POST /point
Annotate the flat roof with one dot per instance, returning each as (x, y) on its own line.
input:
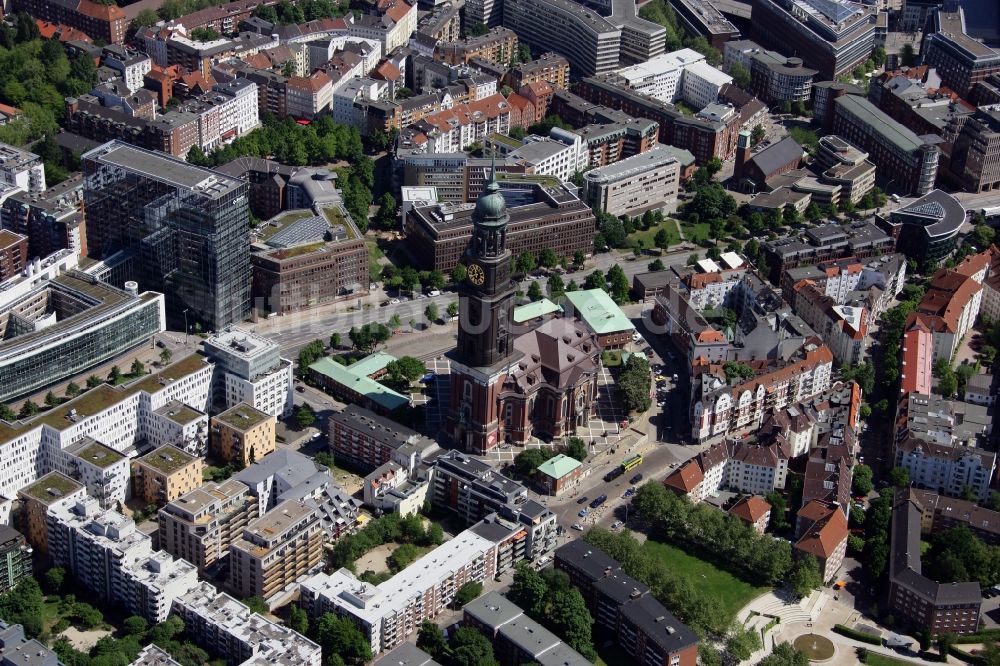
(598, 311)
(164, 168)
(177, 411)
(243, 416)
(539, 308)
(99, 455)
(52, 487)
(167, 459)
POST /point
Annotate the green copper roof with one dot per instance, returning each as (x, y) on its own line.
(529, 311)
(372, 363)
(359, 383)
(559, 466)
(598, 311)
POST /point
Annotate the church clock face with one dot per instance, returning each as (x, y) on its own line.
(476, 274)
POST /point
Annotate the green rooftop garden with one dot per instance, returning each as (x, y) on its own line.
(99, 455)
(51, 487)
(167, 459)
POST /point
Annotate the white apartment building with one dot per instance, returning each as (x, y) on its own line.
(308, 96)
(249, 369)
(131, 65)
(392, 30)
(947, 469)
(179, 425)
(104, 471)
(362, 88)
(225, 627)
(20, 171)
(682, 74)
(723, 409)
(637, 184)
(702, 83)
(562, 154)
(390, 612)
(117, 417)
(321, 51)
(228, 112)
(451, 130)
(591, 42)
(115, 561)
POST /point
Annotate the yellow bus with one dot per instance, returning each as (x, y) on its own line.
(631, 463)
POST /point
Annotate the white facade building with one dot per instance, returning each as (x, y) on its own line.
(308, 96)
(947, 469)
(344, 111)
(249, 369)
(131, 65)
(115, 561)
(682, 74)
(702, 83)
(20, 171)
(561, 154)
(632, 186)
(225, 627)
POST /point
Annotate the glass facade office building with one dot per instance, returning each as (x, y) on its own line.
(186, 228)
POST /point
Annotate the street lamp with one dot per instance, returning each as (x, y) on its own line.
(186, 325)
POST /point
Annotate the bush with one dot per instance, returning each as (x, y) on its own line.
(856, 635)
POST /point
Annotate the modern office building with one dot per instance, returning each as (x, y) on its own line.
(308, 258)
(243, 433)
(774, 78)
(177, 227)
(975, 157)
(557, 220)
(702, 17)
(634, 185)
(926, 229)
(960, 59)
(249, 369)
(590, 42)
(165, 474)
(228, 629)
(916, 599)
(15, 558)
(831, 36)
(201, 525)
(907, 163)
(365, 440)
(277, 549)
(64, 326)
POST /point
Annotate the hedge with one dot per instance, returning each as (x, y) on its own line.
(979, 636)
(857, 635)
(966, 656)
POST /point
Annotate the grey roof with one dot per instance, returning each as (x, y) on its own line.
(591, 560)
(658, 624)
(293, 467)
(492, 610)
(380, 428)
(406, 654)
(979, 383)
(164, 168)
(944, 214)
(620, 587)
(879, 121)
(561, 655)
(774, 157)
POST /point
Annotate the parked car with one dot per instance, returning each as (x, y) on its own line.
(427, 379)
(636, 479)
(578, 527)
(598, 501)
(583, 513)
(615, 525)
(582, 500)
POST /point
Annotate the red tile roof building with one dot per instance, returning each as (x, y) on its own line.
(104, 22)
(753, 510)
(821, 528)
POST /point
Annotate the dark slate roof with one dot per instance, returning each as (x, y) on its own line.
(774, 157)
(592, 561)
(659, 624)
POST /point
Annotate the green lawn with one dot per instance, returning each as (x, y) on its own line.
(872, 659)
(696, 232)
(731, 592)
(647, 236)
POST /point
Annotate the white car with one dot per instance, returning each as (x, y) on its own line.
(394, 301)
(578, 527)
(615, 525)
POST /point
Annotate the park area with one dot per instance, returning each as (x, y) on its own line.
(732, 593)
